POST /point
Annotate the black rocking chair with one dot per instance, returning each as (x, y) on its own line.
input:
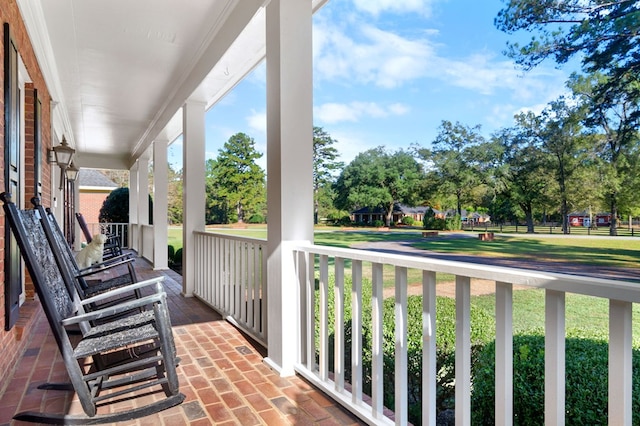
(120, 360)
(112, 247)
(87, 280)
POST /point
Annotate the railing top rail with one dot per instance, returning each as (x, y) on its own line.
(230, 237)
(589, 286)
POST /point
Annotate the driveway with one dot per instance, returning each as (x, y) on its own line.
(607, 272)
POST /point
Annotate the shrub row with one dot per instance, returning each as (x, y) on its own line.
(586, 363)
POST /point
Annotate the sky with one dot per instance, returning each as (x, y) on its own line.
(388, 72)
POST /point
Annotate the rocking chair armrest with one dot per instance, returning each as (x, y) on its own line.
(157, 282)
(101, 267)
(115, 310)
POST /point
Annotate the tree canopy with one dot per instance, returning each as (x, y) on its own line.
(235, 182)
(378, 179)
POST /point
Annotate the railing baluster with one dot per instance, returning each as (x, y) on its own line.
(338, 324)
(401, 377)
(429, 371)
(504, 354)
(356, 326)
(463, 350)
(324, 317)
(377, 369)
(620, 363)
(310, 308)
(554, 360)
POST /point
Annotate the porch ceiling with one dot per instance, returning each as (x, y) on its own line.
(120, 70)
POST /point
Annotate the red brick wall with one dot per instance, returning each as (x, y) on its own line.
(13, 342)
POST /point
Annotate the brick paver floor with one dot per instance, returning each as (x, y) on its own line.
(221, 372)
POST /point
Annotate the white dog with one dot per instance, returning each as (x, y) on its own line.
(92, 252)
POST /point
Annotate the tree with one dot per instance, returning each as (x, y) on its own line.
(617, 114)
(235, 183)
(523, 173)
(174, 195)
(560, 133)
(325, 165)
(377, 179)
(456, 160)
(604, 34)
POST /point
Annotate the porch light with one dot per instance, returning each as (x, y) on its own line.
(63, 154)
(63, 157)
(72, 172)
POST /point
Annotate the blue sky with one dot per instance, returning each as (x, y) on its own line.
(387, 72)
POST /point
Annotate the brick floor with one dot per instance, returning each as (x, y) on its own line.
(221, 373)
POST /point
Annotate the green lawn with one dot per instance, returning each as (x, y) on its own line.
(587, 317)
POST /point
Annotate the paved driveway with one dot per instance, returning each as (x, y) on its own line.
(405, 247)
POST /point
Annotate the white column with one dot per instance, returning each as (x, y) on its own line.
(133, 208)
(160, 204)
(143, 190)
(193, 200)
(289, 167)
(143, 205)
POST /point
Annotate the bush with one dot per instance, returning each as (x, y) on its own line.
(115, 208)
(483, 330)
(171, 252)
(586, 382)
(408, 220)
(256, 218)
(378, 223)
(177, 257)
(429, 219)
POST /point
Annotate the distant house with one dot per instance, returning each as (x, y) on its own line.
(584, 219)
(368, 215)
(93, 188)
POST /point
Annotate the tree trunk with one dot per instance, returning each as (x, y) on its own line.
(565, 216)
(529, 218)
(613, 227)
(389, 215)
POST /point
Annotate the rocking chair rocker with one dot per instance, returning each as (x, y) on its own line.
(118, 360)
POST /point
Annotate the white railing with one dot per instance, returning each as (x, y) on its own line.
(230, 276)
(314, 362)
(120, 229)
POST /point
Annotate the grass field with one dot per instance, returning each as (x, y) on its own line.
(586, 316)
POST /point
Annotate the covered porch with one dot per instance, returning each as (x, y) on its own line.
(126, 85)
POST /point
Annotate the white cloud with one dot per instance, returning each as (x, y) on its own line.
(354, 111)
(376, 7)
(378, 57)
(358, 53)
(258, 121)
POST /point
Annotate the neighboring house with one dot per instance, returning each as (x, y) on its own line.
(94, 187)
(584, 219)
(368, 214)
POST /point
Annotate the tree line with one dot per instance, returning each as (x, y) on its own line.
(580, 153)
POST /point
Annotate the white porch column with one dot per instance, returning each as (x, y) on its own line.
(160, 204)
(133, 208)
(143, 190)
(193, 200)
(143, 204)
(289, 168)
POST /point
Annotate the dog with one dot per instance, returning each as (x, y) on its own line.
(92, 252)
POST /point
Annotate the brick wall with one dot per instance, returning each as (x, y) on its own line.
(13, 342)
